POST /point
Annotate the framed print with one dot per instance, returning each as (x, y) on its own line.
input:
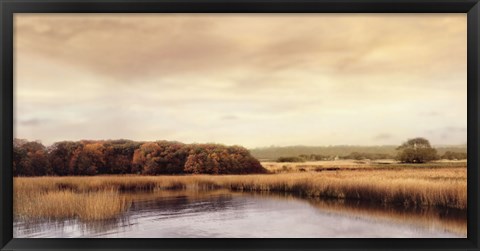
(231, 125)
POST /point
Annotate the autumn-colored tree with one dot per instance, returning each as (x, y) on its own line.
(219, 159)
(195, 163)
(88, 159)
(119, 156)
(19, 158)
(38, 160)
(172, 157)
(30, 159)
(143, 158)
(161, 157)
(60, 155)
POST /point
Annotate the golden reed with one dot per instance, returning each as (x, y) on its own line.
(98, 197)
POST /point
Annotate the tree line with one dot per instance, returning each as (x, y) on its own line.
(89, 157)
(416, 150)
(330, 152)
(351, 156)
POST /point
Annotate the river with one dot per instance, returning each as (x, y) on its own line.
(225, 214)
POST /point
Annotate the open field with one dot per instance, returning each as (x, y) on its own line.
(99, 197)
(387, 164)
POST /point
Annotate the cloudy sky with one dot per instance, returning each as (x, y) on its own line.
(248, 79)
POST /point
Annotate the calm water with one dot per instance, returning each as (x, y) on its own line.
(226, 214)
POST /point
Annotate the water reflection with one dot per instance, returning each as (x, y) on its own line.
(222, 213)
(65, 228)
(444, 219)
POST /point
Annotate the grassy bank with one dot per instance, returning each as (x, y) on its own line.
(98, 197)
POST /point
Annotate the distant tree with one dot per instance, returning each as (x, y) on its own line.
(454, 155)
(356, 156)
(291, 159)
(417, 150)
(313, 157)
(369, 156)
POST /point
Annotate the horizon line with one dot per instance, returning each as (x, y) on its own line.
(252, 148)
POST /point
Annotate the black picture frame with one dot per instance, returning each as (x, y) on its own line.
(9, 7)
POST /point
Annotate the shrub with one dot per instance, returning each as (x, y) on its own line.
(454, 155)
(417, 150)
(290, 159)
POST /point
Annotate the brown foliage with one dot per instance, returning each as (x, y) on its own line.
(129, 157)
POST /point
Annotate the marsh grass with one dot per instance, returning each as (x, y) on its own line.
(345, 165)
(94, 198)
(65, 204)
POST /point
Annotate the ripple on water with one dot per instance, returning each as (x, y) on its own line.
(244, 215)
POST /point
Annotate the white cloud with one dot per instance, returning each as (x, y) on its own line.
(253, 80)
